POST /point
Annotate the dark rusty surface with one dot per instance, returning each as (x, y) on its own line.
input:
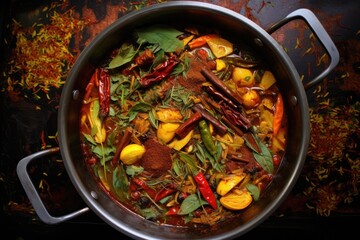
(325, 200)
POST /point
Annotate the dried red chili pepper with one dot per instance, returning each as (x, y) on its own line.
(213, 92)
(159, 72)
(104, 91)
(235, 117)
(168, 190)
(151, 192)
(145, 59)
(205, 189)
(173, 211)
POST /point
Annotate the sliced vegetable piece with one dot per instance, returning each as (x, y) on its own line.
(267, 80)
(243, 76)
(228, 183)
(168, 115)
(132, 153)
(178, 144)
(97, 128)
(236, 199)
(220, 46)
(201, 41)
(279, 112)
(220, 65)
(166, 131)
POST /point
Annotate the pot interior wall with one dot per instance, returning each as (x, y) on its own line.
(231, 24)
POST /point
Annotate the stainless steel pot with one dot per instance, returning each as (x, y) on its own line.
(185, 12)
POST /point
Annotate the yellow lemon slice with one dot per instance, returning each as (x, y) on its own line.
(236, 200)
(220, 47)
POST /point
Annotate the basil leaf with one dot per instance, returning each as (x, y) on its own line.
(126, 54)
(120, 182)
(138, 107)
(190, 204)
(264, 157)
(164, 36)
(132, 170)
(150, 213)
(254, 191)
(89, 138)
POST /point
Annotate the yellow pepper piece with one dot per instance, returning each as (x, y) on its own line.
(267, 80)
(220, 47)
(169, 115)
(243, 76)
(96, 123)
(178, 144)
(187, 39)
(227, 183)
(166, 131)
(236, 200)
(220, 65)
(132, 153)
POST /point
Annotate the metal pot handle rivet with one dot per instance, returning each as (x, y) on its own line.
(258, 42)
(32, 193)
(294, 100)
(76, 94)
(94, 194)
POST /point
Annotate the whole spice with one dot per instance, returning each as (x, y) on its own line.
(159, 72)
(188, 125)
(218, 125)
(205, 189)
(166, 191)
(123, 142)
(235, 117)
(104, 91)
(213, 92)
(220, 85)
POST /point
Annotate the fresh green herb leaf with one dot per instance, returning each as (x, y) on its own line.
(120, 182)
(254, 191)
(164, 36)
(89, 138)
(264, 158)
(133, 170)
(191, 163)
(190, 204)
(150, 213)
(126, 54)
(138, 107)
(153, 121)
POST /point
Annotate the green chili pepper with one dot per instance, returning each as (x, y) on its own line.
(206, 137)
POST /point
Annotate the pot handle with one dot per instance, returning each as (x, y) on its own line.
(322, 36)
(32, 193)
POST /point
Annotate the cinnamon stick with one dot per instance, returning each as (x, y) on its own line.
(189, 124)
(220, 85)
(123, 142)
(217, 124)
(232, 126)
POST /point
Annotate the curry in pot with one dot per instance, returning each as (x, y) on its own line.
(183, 126)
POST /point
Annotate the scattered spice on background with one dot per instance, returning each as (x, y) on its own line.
(333, 164)
(41, 57)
